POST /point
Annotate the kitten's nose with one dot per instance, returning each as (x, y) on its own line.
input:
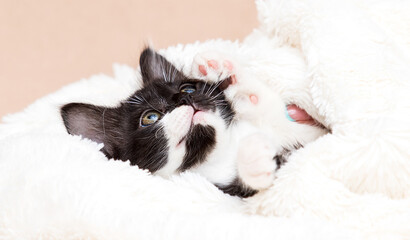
(185, 100)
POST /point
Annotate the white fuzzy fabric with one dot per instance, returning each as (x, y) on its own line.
(57, 186)
(358, 65)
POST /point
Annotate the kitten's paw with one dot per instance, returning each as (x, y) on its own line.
(256, 164)
(213, 66)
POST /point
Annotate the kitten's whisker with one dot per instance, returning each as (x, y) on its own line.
(219, 76)
(163, 70)
(152, 106)
(221, 104)
(174, 73)
(153, 161)
(215, 87)
(142, 138)
(133, 102)
(221, 101)
(169, 72)
(163, 102)
(215, 97)
(135, 99)
(156, 132)
(203, 88)
(207, 91)
(212, 88)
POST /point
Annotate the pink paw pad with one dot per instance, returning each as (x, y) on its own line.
(233, 80)
(202, 70)
(228, 65)
(253, 98)
(213, 64)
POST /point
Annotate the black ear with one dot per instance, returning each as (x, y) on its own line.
(100, 124)
(156, 67)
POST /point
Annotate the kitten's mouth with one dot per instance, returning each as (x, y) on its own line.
(196, 118)
(182, 140)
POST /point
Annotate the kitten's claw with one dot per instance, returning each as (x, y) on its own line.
(256, 166)
(212, 65)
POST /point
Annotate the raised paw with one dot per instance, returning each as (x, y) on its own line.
(256, 164)
(213, 66)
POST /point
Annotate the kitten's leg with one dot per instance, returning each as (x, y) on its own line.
(255, 161)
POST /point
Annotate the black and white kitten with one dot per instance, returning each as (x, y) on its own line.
(176, 123)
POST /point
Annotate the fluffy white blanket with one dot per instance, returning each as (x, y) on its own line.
(354, 183)
(358, 63)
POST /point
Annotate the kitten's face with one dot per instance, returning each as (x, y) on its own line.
(169, 125)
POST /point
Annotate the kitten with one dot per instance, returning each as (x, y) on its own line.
(176, 123)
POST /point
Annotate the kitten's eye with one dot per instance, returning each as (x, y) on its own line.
(188, 88)
(149, 118)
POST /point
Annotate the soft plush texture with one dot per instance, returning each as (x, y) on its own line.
(357, 55)
(353, 183)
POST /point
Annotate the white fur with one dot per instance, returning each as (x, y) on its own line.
(176, 126)
(254, 159)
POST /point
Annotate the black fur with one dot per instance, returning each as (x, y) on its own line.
(119, 128)
(237, 188)
(198, 144)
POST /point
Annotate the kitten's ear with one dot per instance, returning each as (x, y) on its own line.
(156, 67)
(99, 124)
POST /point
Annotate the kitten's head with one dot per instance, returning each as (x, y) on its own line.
(169, 125)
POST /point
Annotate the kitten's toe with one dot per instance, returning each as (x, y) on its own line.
(212, 66)
(260, 173)
(256, 166)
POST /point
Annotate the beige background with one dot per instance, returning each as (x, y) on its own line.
(46, 44)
